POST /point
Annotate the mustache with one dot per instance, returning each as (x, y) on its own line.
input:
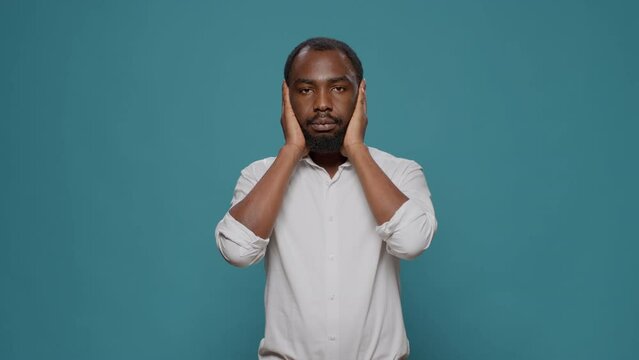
(324, 116)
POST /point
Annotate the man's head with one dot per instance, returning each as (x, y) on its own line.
(323, 76)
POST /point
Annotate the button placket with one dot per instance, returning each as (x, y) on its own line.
(332, 273)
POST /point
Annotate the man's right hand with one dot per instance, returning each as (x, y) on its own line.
(293, 136)
(259, 208)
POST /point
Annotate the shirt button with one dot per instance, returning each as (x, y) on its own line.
(331, 256)
(332, 338)
(332, 297)
(330, 218)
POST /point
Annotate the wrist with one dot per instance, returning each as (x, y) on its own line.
(293, 150)
(354, 149)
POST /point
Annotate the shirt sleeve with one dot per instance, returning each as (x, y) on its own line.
(410, 230)
(237, 243)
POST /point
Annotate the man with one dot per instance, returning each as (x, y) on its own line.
(332, 217)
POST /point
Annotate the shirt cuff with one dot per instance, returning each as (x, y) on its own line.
(238, 244)
(387, 229)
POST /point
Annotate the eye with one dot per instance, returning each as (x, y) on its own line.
(339, 89)
(305, 91)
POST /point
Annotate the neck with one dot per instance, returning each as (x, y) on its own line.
(330, 162)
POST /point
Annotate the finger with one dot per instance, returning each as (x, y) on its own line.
(286, 101)
(283, 94)
(363, 99)
(360, 105)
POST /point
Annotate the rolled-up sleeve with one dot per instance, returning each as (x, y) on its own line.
(411, 229)
(237, 243)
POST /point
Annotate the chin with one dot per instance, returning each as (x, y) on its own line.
(325, 143)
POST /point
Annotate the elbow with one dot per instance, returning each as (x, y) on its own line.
(239, 263)
(235, 254)
(407, 248)
(237, 244)
(410, 242)
(233, 258)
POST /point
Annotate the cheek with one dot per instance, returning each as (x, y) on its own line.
(298, 106)
(299, 114)
(347, 108)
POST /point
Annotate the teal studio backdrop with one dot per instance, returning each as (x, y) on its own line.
(125, 124)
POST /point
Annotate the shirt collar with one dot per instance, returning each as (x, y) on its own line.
(310, 161)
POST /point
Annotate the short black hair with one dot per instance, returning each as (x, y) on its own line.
(323, 44)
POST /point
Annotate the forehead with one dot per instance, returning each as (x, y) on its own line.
(321, 65)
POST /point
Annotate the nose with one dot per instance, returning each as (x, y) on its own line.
(322, 101)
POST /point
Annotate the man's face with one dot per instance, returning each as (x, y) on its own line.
(323, 92)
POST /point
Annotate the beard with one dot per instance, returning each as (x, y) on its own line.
(327, 143)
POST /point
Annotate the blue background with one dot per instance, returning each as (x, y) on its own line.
(124, 125)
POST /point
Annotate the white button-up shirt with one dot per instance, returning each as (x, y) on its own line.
(332, 275)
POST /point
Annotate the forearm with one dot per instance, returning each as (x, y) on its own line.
(384, 198)
(258, 210)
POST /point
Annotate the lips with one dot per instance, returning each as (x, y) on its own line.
(323, 124)
(322, 127)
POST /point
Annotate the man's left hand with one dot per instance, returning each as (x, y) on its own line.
(354, 138)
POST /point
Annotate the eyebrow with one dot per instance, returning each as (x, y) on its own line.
(331, 80)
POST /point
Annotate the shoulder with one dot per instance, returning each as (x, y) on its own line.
(255, 170)
(401, 171)
(392, 164)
